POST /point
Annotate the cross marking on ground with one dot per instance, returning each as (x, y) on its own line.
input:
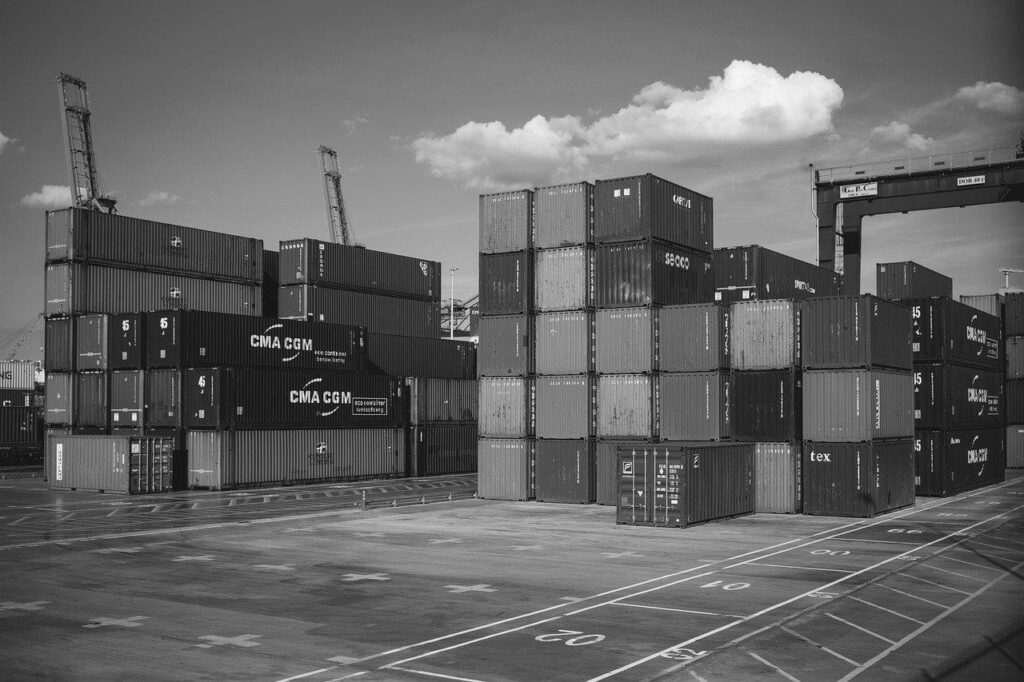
(356, 577)
(131, 622)
(202, 557)
(448, 541)
(460, 589)
(571, 600)
(26, 606)
(272, 567)
(619, 555)
(240, 640)
(523, 548)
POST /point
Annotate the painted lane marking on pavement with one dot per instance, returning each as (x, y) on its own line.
(131, 622)
(370, 535)
(571, 600)
(820, 646)
(356, 577)
(462, 589)
(971, 563)
(804, 568)
(666, 608)
(201, 557)
(961, 575)
(245, 641)
(914, 596)
(932, 582)
(309, 674)
(773, 667)
(25, 606)
(858, 627)
(275, 567)
(882, 608)
(448, 541)
(118, 550)
(524, 548)
(299, 530)
(438, 675)
(621, 555)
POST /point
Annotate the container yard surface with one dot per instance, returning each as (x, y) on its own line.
(303, 583)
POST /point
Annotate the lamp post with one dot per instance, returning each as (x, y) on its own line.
(451, 311)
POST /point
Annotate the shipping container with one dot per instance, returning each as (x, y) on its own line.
(765, 334)
(606, 465)
(953, 396)
(506, 407)
(1015, 357)
(565, 343)
(379, 314)
(506, 345)
(1015, 401)
(163, 399)
(59, 345)
(506, 221)
(856, 331)
(768, 405)
(563, 279)
(505, 469)
(19, 425)
(858, 479)
(264, 398)
(908, 279)
(442, 400)
(679, 484)
(125, 336)
(986, 303)
(752, 273)
(21, 455)
(506, 281)
(78, 288)
(563, 215)
(1015, 446)
(947, 331)
(17, 375)
(356, 268)
(17, 398)
(626, 340)
(857, 405)
(1013, 314)
(696, 406)
(91, 344)
(413, 356)
(441, 449)
(565, 406)
(271, 281)
(59, 401)
(646, 206)
(566, 471)
(952, 462)
(92, 400)
(81, 235)
(777, 485)
(109, 464)
(224, 460)
(693, 338)
(627, 406)
(650, 273)
(127, 398)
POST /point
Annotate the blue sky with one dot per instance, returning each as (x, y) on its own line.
(207, 113)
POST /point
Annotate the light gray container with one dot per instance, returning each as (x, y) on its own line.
(765, 334)
(563, 215)
(777, 486)
(506, 221)
(988, 303)
(693, 338)
(59, 403)
(222, 460)
(565, 406)
(506, 346)
(627, 340)
(695, 405)
(564, 342)
(110, 464)
(857, 405)
(1015, 446)
(17, 375)
(506, 407)
(626, 406)
(506, 469)
(563, 279)
(1015, 357)
(442, 400)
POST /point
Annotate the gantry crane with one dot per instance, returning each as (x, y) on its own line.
(18, 339)
(85, 179)
(337, 220)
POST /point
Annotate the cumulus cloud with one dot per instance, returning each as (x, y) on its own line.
(50, 196)
(159, 199)
(750, 104)
(4, 141)
(899, 133)
(997, 97)
(351, 125)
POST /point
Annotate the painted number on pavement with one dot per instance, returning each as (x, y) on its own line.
(575, 638)
(681, 654)
(830, 552)
(730, 587)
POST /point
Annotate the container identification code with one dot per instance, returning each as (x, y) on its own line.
(373, 407)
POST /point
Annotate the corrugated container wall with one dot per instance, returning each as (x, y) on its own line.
(1014, 401)
(565, 343)
(355, 268)
(442, 400)
(1015, 357)
(77, 288)
(857, 405)
(693, 338)
(562, 279)
(59, 402)
(505, 284)
(749, 273)
(651, 273)
(17, 375)
(1013, 315)
(768, 405)
(947, 331)
(626, 407)
(163, 399)
(777, 485)
(127, 398)
(627, 340)
(565, 406)
(91, 342)
(856, 331)
(647, 206)
(908, 279)
(607, 468)
(565, 471)
(412, 356)
(112, 464)
(271, 267)
(506, 221)
(696, 406)
(92, 396)
(986, 303)
(858, 479)
(59, 353)
(18, 425)
(17, 398)
(440, 449)
(952, 462)
(125, 336)
(951, 396)
(563, 215)
(1015, 446)
(506, 346)
(765, 334)
(379, 314)
(80, 235)
(505, 469)
(506, 407)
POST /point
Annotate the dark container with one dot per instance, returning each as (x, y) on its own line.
(434, 400)
(271, 281)
(1015, 446)
(75, 234)
(769, 406)
(651, 273)
(1015, 401)
(563, 215)
(646, 206)
(696, 406)
(678, 484)
(506, 407)
(264, 398)
(110, 464)
(59, 405)
(22, 455)
(59, 353)
(566, 471)
(379, 314)
(948, 331)
(92, 400)
(163, 399)
(1013, 312)
(856, 331)
(566, 406)
(355, 268)
(908, 279)
(506, 346)
(627, 340)
(749, 273)
(693, 338)
(858, 479)
(952, 462)
(80, 288)
(953, 396)
(506, 221)
(506, 468)
(191, 338)
(125, 336)
(441, 449)
(1015, 357)
(19, 426)
(506, 284)
(11, 397)
(606, 464)
(91, 344)
(565, 343)
(413, 356)
(127, 398)
(851, 405)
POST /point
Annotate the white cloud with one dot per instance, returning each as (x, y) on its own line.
(899, 133)
(351, 125)
(750, 104)
(997, 97)
(50, 196)
(159, 199)
(4, 141)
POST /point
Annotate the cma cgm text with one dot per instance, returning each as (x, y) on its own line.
(276, 342)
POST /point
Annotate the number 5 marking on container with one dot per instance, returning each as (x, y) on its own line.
(579, 640)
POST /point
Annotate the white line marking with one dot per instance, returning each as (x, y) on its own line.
(1002, 539)
(913, 596)
(309, 674)
(442, 676)
(637, 594)
(989, 544)
(774, 667)
(472, 641)
(665, 608)
(971, 563)
(820, 646)
(931, 582)
(804, 568)
(697, 677)
(969, 577)
(882, 608)
(854, 625)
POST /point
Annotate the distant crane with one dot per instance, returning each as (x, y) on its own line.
(337, 220)
(1006, 275)
(85, 179)
(20, 337)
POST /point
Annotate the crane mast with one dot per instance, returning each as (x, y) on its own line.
(85, 179)
(337, 220)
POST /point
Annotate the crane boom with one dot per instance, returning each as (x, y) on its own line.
(337, 220)
(85, 179)
(21, 336)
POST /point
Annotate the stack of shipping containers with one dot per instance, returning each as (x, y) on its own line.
(958, 382)
(1014, 326)
(20, 415)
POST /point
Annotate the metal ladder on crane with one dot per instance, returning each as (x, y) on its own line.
(337, 220)
(85, 179)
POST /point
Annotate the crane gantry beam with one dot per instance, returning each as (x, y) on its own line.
(337, 219)
(85, 186)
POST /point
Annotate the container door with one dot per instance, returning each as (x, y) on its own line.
(633, 499)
